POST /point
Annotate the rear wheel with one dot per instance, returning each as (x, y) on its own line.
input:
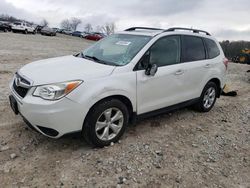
(207, 98)
(105, 123)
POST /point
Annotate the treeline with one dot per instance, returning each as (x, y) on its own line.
(7, 18)
(233, 48)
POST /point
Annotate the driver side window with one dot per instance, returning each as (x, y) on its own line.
(166, 51)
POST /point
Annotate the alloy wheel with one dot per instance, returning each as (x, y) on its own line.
(209, 97)
(109, 124)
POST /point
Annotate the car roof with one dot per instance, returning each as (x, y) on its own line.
(175, 30)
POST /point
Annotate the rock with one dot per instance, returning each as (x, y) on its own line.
(6, 169)
(122, 180)
(112, 143)
(159, 152)
(146, 146)
(119, 141)
(199, 128)
(24, 148)
(195, 145)
(118, 186)
(4, 148)
(119, 170)
(128, 167)
(178, 179)
(134, 179)
(157, 165)
(13, 156)
(211, 159)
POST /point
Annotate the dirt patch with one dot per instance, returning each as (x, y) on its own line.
(179, 149)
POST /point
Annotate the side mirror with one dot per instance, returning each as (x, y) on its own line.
(151, 69)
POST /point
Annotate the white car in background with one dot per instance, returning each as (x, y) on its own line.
(123, 77)
(23, 27)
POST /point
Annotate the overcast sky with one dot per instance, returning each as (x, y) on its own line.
(225, 19)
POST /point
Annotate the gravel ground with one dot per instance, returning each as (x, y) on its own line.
(179, 149)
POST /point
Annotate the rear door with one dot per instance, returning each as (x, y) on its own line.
(194, 65)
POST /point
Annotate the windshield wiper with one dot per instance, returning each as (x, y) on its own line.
(94, 59)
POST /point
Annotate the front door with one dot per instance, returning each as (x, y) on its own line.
(165, 87)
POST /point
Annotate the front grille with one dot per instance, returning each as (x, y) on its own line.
(21, 91)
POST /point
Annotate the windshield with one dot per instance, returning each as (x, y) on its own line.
(117, 49)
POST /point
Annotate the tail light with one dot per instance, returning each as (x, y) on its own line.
(225, 61)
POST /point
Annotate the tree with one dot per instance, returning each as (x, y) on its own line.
(65, 24)
(6, 17)
(44, 23)
(74, 22)
(88, 28)
(108, 28)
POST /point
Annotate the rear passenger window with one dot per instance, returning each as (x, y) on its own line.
(192, 49)
(166, 51)
(212, 48)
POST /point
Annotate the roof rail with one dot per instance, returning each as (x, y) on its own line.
(188, 29)
(146, 28)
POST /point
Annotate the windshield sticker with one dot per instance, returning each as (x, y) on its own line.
(123, 43)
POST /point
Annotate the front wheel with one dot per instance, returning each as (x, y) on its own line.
(207, 98)
(105, 123)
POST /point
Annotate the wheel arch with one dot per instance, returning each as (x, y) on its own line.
(125, 100)
(218, 84)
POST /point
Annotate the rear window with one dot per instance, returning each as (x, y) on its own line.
(212, 48)
(192, 49)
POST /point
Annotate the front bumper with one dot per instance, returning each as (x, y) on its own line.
(51, 118)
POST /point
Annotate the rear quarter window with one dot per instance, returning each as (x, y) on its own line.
(212, 48)
(192, 49)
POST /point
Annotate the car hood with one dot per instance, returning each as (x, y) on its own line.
(62, 69)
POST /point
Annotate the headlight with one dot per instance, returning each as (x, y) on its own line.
(55, 91)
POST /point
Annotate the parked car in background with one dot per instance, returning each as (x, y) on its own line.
(5, 27)
(67, 32)
(23, 27)
(77, 34)
(95, 36)
(38, 28)
(55, 29)
(60, 30)
(48, 31)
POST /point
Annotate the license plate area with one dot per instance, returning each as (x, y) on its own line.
(13, 104)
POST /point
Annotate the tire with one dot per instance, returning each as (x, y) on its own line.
(207, 98)
(100, 113)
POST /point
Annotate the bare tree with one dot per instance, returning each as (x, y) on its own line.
(108, 28)
(74, 22)
(65, 24)
(88, 27)
(44, 23)
(98, 28)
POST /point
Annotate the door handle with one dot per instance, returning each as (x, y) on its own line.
(179, 72)
(207, 66)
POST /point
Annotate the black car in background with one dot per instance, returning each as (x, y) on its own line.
(48, 31)
(5, 27)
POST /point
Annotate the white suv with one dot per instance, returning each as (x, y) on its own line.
(126, 76)
(23, 27)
